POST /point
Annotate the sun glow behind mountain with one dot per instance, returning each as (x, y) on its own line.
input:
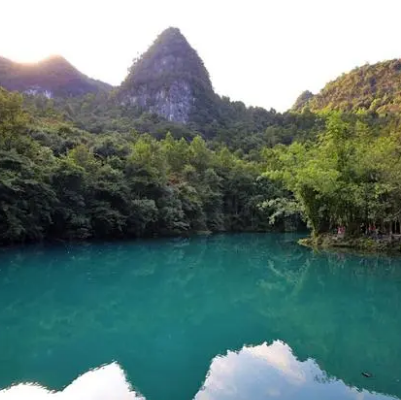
(281, 49)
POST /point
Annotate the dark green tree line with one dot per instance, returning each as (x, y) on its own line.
(60, 182)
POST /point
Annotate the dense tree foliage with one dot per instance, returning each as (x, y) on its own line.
(238, 127)
(97, 166)
(349, 176)
(60, 182)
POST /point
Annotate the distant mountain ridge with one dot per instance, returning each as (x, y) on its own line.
(53, 76)
(373, 88)
(171, 81)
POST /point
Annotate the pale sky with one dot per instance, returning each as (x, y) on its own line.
(263, 52)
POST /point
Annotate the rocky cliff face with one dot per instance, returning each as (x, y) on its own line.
(174, 102)
(169, 80)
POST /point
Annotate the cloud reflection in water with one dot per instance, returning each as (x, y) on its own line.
(104, 383)
(254, 372)
(264, 372)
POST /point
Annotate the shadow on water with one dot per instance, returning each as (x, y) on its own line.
(163, 309)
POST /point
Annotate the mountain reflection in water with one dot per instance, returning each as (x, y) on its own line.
(254, 372)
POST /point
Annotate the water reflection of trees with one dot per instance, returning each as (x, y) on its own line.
(341, 310)
(180, 302)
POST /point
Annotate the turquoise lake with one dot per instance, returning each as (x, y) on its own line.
(242, 316)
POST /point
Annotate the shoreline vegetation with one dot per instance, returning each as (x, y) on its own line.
(346, 183)
(362, 244)
(58, 182)
(97, 167)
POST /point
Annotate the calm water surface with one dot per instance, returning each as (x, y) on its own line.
(250, 316)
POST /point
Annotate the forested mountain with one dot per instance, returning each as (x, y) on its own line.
(373, 88)
(59, 182)
(170, 80)
(163, 154)
(167, 89)
(53, 77)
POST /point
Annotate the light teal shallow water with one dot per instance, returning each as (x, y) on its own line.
(247, 316)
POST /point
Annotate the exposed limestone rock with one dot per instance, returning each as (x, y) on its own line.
(173, 103)
(169, 80)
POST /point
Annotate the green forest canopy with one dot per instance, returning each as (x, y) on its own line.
(60, 182)
(373, 88)
(84, 167)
